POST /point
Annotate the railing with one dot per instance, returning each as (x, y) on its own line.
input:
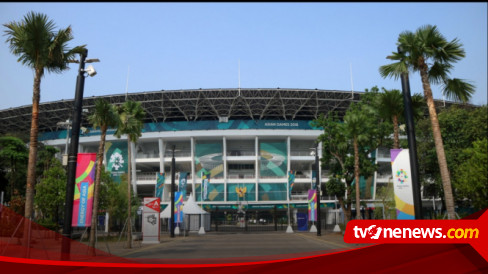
(383, 177)
(305, 152)
(301, 196)
(147, 155)
(241, 153)
(178, 153)
(241, 176)
(383, 153)
(151, 176)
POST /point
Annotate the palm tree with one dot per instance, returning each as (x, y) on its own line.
(131, 123)
(390, 107)
(428, 52)
(40, 48)
(104, 116)
(357, 122)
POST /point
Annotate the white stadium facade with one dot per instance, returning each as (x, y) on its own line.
(248, 139)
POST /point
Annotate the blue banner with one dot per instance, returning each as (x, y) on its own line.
(291, 182)
(205, 183)
(160, 185)
(182, 184)
(83, 203)
(178, 207)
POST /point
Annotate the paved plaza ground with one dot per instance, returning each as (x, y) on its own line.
(217, 247)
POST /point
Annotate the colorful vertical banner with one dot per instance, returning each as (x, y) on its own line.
(83, 196)
(160, 185)
(182, 184)
(205, 185)
(178, 207)
(402, 184)
(291, 181)
(312, 205)
(150, 220)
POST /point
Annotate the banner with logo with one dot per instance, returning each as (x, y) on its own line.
(182, 184)
(178, 207)
(205, 183)
(84, 184)
(150, 220)
(402, 184)
(117, 159)
(160, 185)
(291, 181)
(312, 205)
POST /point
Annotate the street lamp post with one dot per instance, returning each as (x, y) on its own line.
(412, 146)
(73, 152)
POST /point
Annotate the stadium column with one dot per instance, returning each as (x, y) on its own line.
(161, 155)
(256, 144)
(193, 175)
(224, 156)
(288, 148)
(256, 151)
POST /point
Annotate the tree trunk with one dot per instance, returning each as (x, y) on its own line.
(356, 177)
(396, 139)
(439, 146)
(129, 221)
(31, 166)
(96, 191)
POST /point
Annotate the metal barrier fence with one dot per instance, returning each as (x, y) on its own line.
(260, 221)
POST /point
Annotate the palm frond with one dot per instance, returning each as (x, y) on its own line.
(438, 72)
(393, 70)
(458, 90)
(36, 44)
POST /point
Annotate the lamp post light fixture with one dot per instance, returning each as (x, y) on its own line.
(73, 150)
(66, 124)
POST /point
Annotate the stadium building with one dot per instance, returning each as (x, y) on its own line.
(247, 139)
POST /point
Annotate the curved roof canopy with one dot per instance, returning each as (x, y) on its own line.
(195, 105)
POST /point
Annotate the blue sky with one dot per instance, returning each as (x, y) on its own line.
(199, 45)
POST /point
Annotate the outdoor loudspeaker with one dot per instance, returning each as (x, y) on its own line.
(91, 70)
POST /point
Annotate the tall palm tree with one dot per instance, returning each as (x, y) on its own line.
(428, 52)
(104, 116)
(358, 126)
(39, 47)
(390, 106)
(131, 123)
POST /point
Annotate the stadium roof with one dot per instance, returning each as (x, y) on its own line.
(195, 105)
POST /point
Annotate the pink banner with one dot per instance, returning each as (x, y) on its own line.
(83, 199)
